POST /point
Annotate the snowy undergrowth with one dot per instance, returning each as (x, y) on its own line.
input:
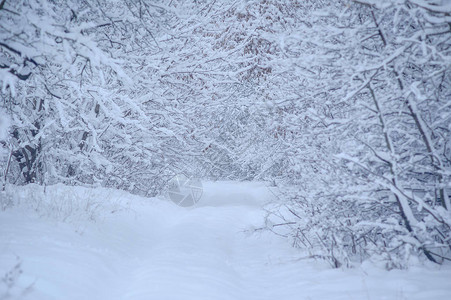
(157, 250)
(65, 203)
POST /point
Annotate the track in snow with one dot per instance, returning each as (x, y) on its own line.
(156, 250)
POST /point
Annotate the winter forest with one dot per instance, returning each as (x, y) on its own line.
(320, 130)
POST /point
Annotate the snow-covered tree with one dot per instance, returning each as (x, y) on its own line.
(78, 115)
(387, 114)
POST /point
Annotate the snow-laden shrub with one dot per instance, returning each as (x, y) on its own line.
(64, 203)
(348, 230)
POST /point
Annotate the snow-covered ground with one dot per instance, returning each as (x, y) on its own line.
(79, 243)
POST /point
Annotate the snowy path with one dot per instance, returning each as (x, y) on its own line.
(156, 250)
